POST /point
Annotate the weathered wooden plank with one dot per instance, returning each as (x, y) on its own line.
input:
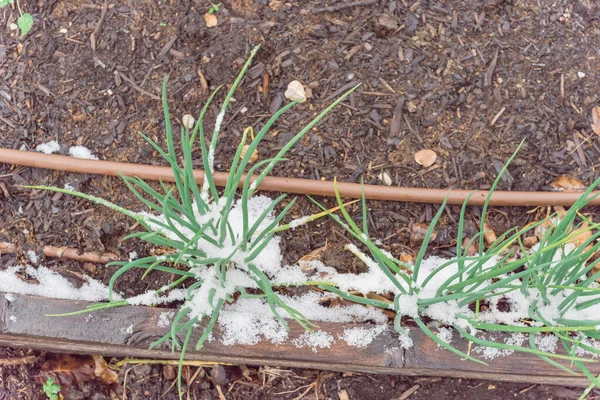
(127, 331)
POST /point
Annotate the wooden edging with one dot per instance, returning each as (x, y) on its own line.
(127, 331)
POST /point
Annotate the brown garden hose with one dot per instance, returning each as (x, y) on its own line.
(295, 185)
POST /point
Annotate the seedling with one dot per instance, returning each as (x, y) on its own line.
(51, 389)
(25, 21)
(214, 8)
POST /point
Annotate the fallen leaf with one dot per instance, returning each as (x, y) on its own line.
(203, 82)
(385, 178)
(565, 183)
(471, 251)
(406, 258)
(188, 121)
(102, 371)
(210, 20)
(169, 372)
(313, 255)
(67, 370)
(580, 235)
(530, 241)
(540, 230)
(596, 120)
(295, 91)
(418, 232)
(488, 234)
(560, 211)
(425, 157)
(254, 155)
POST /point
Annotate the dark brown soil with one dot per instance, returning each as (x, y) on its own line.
(467, 79)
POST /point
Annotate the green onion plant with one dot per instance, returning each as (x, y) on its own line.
(199, 227)
(555, 280)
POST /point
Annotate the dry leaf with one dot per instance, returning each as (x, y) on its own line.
(254, 155)
(406, 258)
(385, 178)
(488, 234)
(188, 121)
(425, 157)
(67, 371)
(580, 235)
(312, 256)
(530, 241)
(565, 183)
(102, 371)
(540, 230)
(210, 20)
(295, 91)
(471, 251)
(418, 232)
(596, 120)
(169, 372)
(203, 82)
(560, 211)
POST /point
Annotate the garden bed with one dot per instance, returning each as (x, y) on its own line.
(466, 80)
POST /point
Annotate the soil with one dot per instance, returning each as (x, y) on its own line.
(467, 79)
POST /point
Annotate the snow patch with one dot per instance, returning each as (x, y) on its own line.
(81, 152)
(362, 337)
(52, 285)
(48, 147)
(315, 340)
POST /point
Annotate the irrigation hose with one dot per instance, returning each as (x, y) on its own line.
(296, 185)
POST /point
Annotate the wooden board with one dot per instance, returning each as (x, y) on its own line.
(127, 331)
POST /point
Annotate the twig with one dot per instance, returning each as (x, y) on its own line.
(343, 6)
(66, 252)
(487, 80)
(97, 30)
(408, 393)
(5, 362)
(497, 116)
(136, 87)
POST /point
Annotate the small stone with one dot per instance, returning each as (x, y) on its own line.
(385, 178)
(188, 121)
(425, 157)
(295, 92)
(210, 20)
(581, 74)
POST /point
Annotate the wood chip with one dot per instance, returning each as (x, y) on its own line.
(596, 120)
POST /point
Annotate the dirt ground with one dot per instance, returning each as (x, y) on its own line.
(467, 79)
